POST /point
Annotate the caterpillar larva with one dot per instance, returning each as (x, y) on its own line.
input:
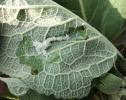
(41, 47)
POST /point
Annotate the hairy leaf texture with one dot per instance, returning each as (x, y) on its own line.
(71, 52)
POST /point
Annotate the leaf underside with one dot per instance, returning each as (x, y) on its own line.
(70, 66)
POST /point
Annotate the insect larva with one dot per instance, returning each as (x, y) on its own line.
(41, 47)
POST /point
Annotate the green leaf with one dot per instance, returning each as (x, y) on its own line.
(120, 6)
(108, 16)
(46, 52)
(109, 84)
(76, 6)
(16, 86)
(114, 97)
(122, 92)
(32, 95)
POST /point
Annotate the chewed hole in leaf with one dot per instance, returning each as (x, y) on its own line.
(34, 71)
(21, 15)
(83, 27)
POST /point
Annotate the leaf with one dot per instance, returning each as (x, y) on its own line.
(76, 6)
(114, 97)
(122, 92)
(46, 52)
(108, 16)
(120, 6)
(15, 86)
(109, 84)
(32, 95)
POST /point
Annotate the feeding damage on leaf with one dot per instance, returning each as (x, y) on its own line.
(75, 52)
(26, 48)
(41, 47)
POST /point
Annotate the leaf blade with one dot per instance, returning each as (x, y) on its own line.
(66, 73)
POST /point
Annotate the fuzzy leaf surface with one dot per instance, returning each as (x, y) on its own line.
(70, 66)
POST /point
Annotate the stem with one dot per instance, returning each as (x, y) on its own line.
(82, 9)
